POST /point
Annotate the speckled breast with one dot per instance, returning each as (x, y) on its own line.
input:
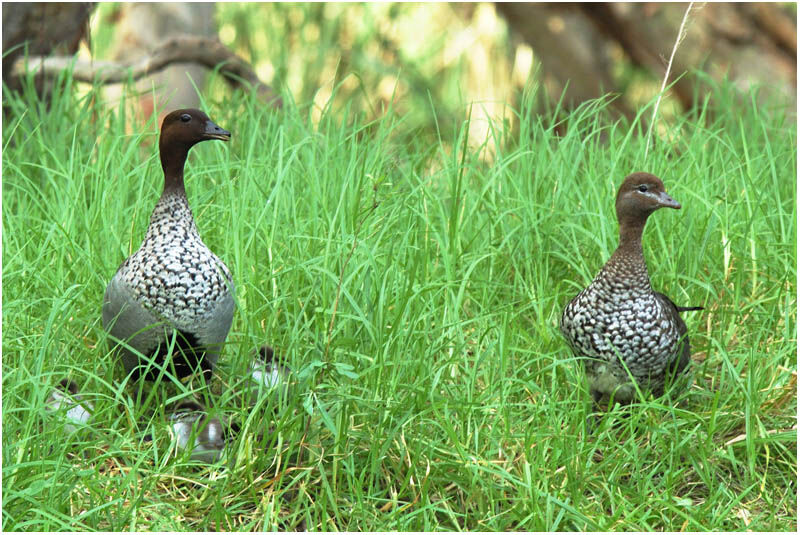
(606, 322)
(173, 273)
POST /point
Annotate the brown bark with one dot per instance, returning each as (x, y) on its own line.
(140, 28)
(648, 46)
(42, 29)
(204, 51)
(574, 56)
(747, 43)
(722, 40)
(776, 23)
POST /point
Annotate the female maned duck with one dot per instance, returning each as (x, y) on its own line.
(618, 318)
(173, 285)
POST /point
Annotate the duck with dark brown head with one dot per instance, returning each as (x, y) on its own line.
(618, 321)
(173, 285)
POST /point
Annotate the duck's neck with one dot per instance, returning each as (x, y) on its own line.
(173, 159)
(173, 204)
(630, 239)
(627, 263)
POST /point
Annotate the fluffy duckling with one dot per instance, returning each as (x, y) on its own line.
(266, 372)
(65, 396)
(211, 435)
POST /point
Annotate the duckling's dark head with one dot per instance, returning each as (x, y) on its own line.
(640, 195)
(68, 386)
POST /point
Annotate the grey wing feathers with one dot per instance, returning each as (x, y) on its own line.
(213, 334)
(684, 353)
(128, 321)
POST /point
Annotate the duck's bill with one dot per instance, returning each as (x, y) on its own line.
(668, 202)
(222, 137)
(213, 131)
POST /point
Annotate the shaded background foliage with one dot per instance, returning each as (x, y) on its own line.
(417, 58)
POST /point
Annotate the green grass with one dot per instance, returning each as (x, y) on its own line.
(416, 290)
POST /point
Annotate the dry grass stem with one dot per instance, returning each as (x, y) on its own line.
(681, 34)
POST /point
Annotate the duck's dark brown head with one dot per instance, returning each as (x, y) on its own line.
(180, 130)
(187, 127)
(640, 195)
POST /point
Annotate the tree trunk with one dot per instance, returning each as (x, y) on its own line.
(575, 57)
(142, 29)
(42, 29)
(750, 44)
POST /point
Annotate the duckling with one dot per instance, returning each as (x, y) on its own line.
(266, 372)
(65, 396)
(173, 285)
(211, 434)
(618, 319)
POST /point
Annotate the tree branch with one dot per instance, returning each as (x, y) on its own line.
(183, 49)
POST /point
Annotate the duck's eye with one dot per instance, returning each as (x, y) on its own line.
(643, 188)
(186, 117)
